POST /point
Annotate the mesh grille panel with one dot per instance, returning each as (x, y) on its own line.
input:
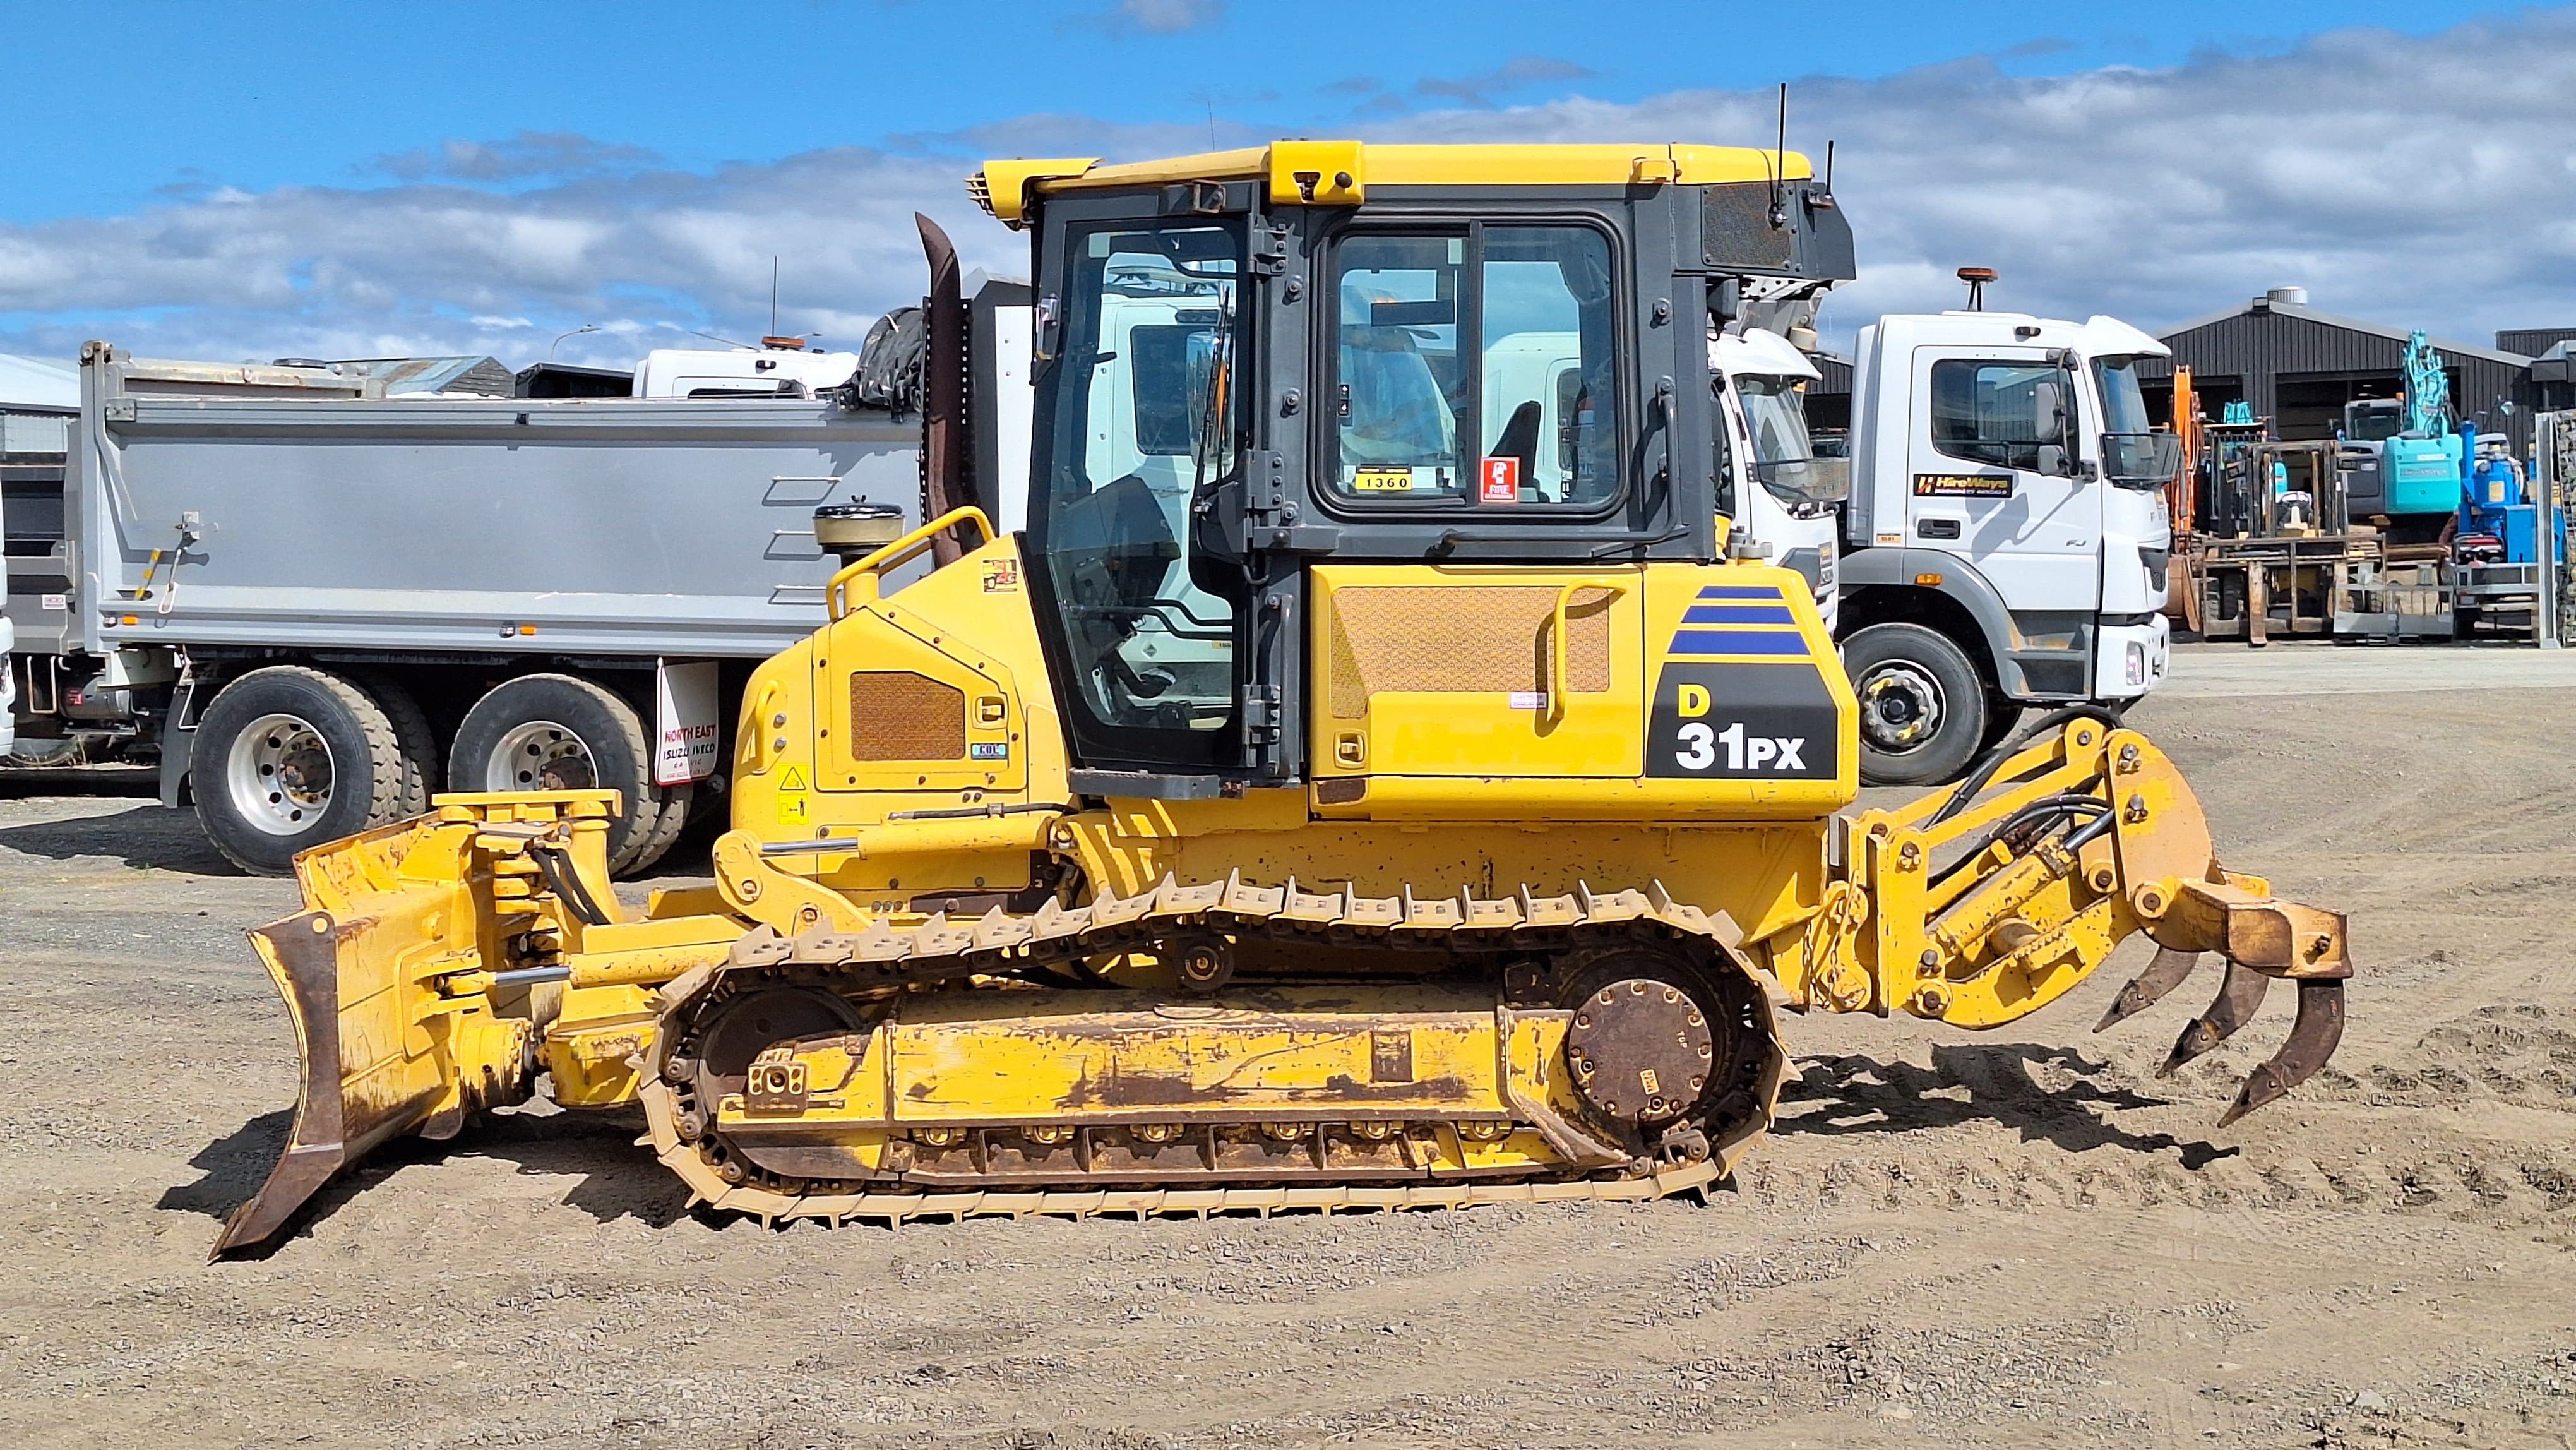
(899, 715)
(1735, 227)
(1478, 639)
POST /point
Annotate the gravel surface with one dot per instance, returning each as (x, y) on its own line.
(2020, 1238)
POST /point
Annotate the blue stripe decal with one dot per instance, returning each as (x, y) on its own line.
(1739, 591)
(1738, 614)
(1738, 642)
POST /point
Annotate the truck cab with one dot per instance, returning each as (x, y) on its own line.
(2007, 546)
(1781, 497)
(779, 368)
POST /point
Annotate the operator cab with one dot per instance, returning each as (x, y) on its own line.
(1256, 370)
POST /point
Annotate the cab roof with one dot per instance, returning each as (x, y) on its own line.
(1339, 173)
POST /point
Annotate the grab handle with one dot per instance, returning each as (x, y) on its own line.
(857, 583)
(1557, 673)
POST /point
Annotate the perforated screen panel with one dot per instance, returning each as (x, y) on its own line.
(899, 715)
(1474, 639)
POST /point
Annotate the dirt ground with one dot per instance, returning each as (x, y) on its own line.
(2020, 1239)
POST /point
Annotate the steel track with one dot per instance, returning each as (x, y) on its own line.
(884, 958)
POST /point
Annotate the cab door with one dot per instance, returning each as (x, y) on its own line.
(1991, 461)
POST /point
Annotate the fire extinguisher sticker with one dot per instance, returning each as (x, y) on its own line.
(1499, 481)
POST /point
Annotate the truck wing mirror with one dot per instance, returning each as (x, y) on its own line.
(2050, 462)
(2048, 411)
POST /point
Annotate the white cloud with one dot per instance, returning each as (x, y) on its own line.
(2414, 182)
(2409, 181)
(437, 269)
(1170, 17)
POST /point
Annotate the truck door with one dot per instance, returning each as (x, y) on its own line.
(1991, 456)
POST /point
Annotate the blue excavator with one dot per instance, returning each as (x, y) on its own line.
(2432, 476)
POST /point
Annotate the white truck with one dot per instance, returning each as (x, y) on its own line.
(781, 367)
(2006, 538)
(1782, 499)
(314, 603)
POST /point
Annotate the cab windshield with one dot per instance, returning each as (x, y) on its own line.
(2134, 454)
(1784, 459)
(1140, 413)
(2124, 404)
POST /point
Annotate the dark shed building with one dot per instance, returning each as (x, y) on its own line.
(2298, 367)
(1828, 399)
(2533, 341)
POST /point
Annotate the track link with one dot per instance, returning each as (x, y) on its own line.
(1534, 932)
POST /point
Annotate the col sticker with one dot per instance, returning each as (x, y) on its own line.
(989, 750)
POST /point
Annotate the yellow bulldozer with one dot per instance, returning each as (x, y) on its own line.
(1308, 810)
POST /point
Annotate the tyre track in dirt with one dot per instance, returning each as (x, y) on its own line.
(2014, 1239)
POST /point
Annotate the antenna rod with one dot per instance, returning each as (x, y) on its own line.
(1829, 167)
(773, 294)
(1780, 162)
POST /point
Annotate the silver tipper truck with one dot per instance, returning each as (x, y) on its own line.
(320, 604)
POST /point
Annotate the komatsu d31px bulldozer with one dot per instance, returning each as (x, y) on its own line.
(1370, 781)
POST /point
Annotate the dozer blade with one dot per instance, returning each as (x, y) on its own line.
(400, 1022)
(333, 1124)
(2313, 1038)
(2238, 997)
(2162, 975)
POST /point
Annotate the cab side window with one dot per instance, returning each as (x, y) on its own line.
(1399, 398)
(1475, 367)
(1997, 413)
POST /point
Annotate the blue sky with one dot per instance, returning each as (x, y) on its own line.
(256, 95)
(249, 179)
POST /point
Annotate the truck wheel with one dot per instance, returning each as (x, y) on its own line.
(561, 732)
(667, 826)
(1922, 707)
(287, 758)
(417, 743)
(2001, 716)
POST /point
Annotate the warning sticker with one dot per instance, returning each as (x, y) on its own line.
(1498, 480)
(791, 794)
(1383, 480)
(1963, 485)
(1001, 576)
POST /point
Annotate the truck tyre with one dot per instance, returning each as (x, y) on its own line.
(2001, 716)
(667, 826)
(287, 758)
(418, 744)
(562, 732)
(1922, 706)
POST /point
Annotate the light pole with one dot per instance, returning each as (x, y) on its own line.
(576, 332)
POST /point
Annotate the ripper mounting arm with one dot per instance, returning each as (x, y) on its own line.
(1981, 905)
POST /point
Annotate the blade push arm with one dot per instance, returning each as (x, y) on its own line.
(1982, 905)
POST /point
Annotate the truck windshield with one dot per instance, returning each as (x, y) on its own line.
(2134, 455)
(2124, 406)
(1784, 460)
(1138, 411)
